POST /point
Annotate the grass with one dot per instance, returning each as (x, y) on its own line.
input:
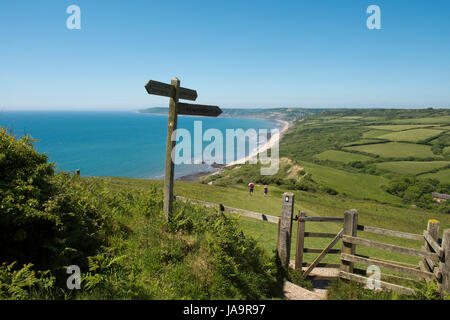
(396, 150)
(342, 156)
(446, 150)
(357, 185)
(370, 213)
(375, 133)
(433, 120)
(442, 175)
(349, 290)
(363, 141)
(415, 135)
(398, 127)
(182, 259)
(412, 167)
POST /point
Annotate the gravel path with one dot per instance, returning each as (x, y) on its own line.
(294, 292)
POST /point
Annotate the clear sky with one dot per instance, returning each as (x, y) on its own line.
(235, 53)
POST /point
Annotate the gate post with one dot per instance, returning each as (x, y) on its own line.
(446, 262)
(433, 231)
(350, 229)
(284, 241)
(300, 241)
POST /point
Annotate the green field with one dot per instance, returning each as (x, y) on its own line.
(342, 156)
(357, 185)
(375, 133)
(399, 127)
(352, 117)
(443, 176)
(362, 141)
(434, 120)
(341, 120)
(396, 150)
(414, 135)
(412, 167)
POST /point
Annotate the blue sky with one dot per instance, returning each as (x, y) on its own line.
(243, 53)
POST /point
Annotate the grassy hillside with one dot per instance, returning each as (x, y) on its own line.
(118, 237)
(372, 213)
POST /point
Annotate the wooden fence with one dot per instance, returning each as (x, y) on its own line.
(435, 254)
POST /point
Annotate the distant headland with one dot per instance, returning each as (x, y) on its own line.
(288, 114)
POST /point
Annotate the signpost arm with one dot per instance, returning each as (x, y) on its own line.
(169, 169)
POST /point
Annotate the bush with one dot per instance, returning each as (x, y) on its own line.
(47, 219)
(22, 283)
(417, 191)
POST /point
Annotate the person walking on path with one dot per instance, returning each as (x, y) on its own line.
(251, 186)
(266, 189)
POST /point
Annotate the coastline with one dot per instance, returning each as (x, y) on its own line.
(273, 139)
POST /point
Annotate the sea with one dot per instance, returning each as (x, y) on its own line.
(115, 144)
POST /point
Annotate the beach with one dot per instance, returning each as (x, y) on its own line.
(273, 139)
(276, 138)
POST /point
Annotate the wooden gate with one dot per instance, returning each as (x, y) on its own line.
(435, 264)
(302, 219)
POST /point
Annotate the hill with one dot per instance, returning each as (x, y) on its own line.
(118, 238)
(287, 114)
(391, 156)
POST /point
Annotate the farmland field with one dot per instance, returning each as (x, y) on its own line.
(362, 141)
(412, 167)
(375, 133)
(341, 156)
(358, 185)
(443, 176)
(414, 135)
(400, 127)
(396, 150)
(443, 119)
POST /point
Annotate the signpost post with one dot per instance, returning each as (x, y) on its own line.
(175, 92)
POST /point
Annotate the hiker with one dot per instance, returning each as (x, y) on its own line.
(266, 189)
(251, 185)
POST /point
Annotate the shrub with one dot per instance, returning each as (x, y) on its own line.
(18, 284)
(48, 219)
(417, 191)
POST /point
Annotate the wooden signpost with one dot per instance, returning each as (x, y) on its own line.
(175, 92)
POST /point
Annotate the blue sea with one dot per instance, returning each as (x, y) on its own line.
(119, 144)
